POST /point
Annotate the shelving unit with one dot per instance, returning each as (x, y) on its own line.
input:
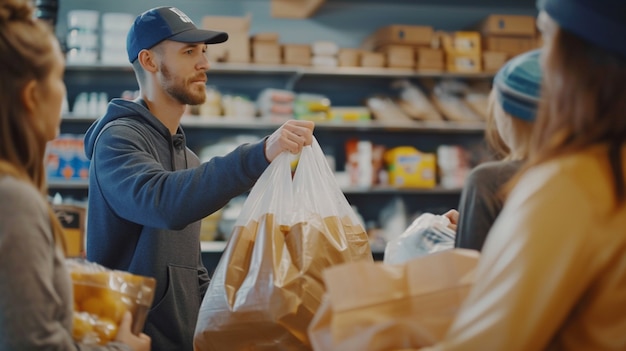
(344, 86)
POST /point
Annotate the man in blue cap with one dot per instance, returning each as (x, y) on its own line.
(147, 191)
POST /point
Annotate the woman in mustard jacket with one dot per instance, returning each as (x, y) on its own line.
(552, 275)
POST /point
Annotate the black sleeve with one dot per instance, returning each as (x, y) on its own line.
(479, 206)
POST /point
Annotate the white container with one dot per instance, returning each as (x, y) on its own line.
(82, 39)
(83, 19)
(117, 22)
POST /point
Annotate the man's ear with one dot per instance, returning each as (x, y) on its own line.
(147, 60)
(30, 96)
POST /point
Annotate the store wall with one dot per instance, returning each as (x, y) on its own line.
(345, 22)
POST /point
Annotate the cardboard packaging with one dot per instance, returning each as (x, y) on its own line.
(237, 48)
(297, 54)
(461, 43)
(271, 37)
(266, 52)
(349, 57)
(464, 63)
(372, 59)
(430, 59)
(377, 306)
(295, 8)
(492, 61)
(510, 45)
(509, 25)
(265, 48)
(398, 56)
(399, 34)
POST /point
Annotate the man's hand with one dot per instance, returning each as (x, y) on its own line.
(291, 136)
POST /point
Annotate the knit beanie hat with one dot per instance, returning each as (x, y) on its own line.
(600, 22)
(518, 85)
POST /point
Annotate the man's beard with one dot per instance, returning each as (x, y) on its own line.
(180, 91)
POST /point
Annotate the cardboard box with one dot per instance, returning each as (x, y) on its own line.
(266, 52)
(237, 48)
(271, 37)
(462, 43)
(511, 25)
(464, 63)
(398, 56)
(294, 8)
(349, 57)
(297, 54)
(372, 59)
(430, 59)
(509, 45)
(492, 61)
(399, 34)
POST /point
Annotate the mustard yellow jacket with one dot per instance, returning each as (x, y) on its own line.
(552, 275)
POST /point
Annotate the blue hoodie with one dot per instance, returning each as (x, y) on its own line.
(147, 195)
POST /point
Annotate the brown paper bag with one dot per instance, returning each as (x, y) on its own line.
(375, 306)
(268, 284)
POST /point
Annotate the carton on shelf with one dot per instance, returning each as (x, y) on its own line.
(297, 54)
(461, 43)
(510, 45)
(294, 8)
(266, 52)
(271, 37)
(399, 34)
(509, 25)
(349, 57)
(492, 61)
(463, 63)
(398, 56)
(372, 59)
(237, 48)
(430, 59)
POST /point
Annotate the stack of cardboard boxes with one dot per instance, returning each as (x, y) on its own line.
(505, 36)
(497, 38)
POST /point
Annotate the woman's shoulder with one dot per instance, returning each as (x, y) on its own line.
(19, 195)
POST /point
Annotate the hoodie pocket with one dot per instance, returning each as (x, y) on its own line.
(174, 317)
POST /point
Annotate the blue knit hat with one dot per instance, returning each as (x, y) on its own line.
(161, 23)
(600, 22)
(518, 85)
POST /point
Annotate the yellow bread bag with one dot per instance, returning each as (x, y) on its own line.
(102, 296)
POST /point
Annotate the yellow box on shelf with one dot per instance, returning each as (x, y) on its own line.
(411, 168)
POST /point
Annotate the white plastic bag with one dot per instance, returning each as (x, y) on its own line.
(427, 234)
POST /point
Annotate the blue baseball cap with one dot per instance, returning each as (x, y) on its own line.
(518, 85)
(600, 22)
(166, 23)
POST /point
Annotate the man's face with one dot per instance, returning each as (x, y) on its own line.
(182, 71)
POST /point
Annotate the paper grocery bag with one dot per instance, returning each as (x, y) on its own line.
(268, 284)
(376, 306)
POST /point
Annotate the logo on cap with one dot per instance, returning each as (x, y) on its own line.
(181, 15)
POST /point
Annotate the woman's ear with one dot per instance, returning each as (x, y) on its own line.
(147, 60)
(30, 96)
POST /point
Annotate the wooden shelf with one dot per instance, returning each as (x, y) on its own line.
(259, 123)
(247, 68)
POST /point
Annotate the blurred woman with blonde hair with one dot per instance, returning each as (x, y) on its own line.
(35, 287)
